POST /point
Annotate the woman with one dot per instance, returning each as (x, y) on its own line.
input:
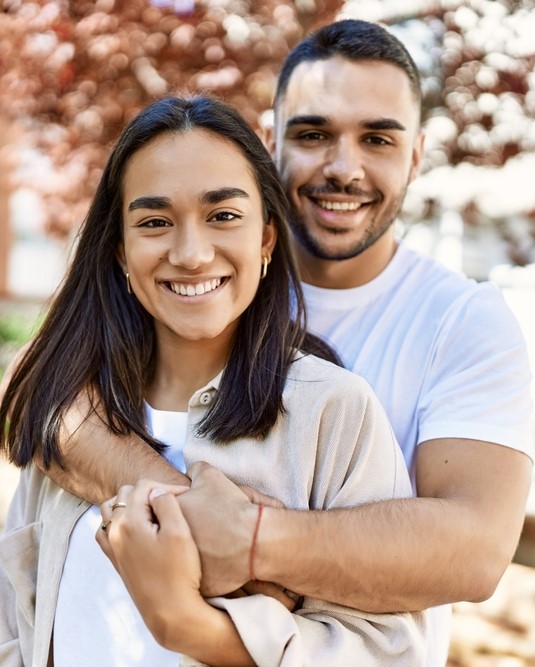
(176, 314)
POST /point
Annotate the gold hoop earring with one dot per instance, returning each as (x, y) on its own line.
(128, 285)
(266, 259)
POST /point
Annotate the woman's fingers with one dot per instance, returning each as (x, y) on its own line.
(103, 541)
(132, 509)
(119, 501)
(133, 501)
(168, 512)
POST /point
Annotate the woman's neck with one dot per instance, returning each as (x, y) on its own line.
(181, 369)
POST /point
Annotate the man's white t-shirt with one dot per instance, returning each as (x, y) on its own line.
(96, 622)
(445, 356)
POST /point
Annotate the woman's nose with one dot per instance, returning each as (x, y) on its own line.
(191, 248)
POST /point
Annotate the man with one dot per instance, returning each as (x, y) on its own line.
(444, 355)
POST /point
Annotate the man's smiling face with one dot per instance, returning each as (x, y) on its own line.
(347, 145)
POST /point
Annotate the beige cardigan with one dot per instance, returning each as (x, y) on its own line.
(333, 448)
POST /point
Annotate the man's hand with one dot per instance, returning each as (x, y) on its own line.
(222, 518)
(257, 497)
(140, 516)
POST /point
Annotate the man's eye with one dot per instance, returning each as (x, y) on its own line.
(377, 141)
(311, 136)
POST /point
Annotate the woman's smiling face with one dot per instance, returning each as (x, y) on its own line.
(194, 234)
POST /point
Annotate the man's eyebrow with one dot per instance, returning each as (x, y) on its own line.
(150, 202)
(384, 124)
(221, 194)
(315, 121)
(319, 121)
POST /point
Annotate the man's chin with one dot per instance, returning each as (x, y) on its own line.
(330, 253)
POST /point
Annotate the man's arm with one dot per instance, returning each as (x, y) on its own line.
(96, 462)
(452, 543)
(149, 536)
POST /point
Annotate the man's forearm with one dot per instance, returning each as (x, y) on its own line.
(95, 473)
(452, 543)
(371, 558)
(96, 462)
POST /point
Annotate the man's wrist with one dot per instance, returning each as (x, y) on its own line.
(252, 552)
(268, 544)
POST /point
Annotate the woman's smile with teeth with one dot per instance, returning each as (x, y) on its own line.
(338, 205)
(189, 289)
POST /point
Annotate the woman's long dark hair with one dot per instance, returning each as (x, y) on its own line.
(96, 336)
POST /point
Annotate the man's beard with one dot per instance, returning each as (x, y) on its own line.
(371, 235)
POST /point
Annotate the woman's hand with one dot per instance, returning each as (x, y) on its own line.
(154, 489)
(149, 542)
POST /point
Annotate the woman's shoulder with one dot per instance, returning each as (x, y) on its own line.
(308, 370)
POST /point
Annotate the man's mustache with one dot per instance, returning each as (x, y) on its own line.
(351, 190)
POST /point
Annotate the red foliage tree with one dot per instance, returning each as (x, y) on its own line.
(73, 72)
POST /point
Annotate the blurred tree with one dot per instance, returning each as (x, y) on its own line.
(72, 72)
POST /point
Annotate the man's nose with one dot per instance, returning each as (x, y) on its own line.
(192, 247)
(344, 162)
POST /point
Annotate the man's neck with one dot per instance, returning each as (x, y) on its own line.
(344, 274)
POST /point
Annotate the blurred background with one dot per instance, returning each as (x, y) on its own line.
(73, 72)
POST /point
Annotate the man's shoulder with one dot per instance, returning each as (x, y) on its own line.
(428, 279)
(423, 272)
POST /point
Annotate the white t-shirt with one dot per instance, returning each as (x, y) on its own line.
(445, 356)
(96, 622)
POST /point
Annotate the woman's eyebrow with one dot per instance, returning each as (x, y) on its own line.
(221, 194)
(208, 197)
(151, 202)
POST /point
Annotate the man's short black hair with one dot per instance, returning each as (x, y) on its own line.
(355, 40)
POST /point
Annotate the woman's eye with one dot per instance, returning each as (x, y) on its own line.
(154, 223)
(224, 216)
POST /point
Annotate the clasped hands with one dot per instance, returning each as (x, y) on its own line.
(165, 538)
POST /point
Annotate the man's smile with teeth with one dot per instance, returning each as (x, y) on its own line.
(189, 289)
(338, 205)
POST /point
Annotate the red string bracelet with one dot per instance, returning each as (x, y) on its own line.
(253, 545)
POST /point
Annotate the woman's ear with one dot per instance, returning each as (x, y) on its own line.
(269, 238)
(119, 254)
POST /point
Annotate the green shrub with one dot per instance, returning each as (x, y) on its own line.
(15, 329)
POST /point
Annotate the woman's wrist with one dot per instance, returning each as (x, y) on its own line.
(206, 634)
(180, 625)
